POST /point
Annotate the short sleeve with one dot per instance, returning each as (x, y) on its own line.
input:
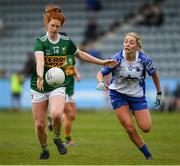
(72, 49)
(105, 69)
(38, 46)
(150, 67)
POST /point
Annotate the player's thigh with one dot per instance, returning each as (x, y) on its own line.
(39, 110)
(143, 119)
(57, 100)
(39, 105)
(57, 103)
(124, 116)
(70, 105)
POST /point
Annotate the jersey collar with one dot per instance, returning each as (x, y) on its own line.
(53, 42)
(137, 54)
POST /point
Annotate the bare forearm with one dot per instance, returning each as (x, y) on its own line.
(99, 77)
(40, 69)
(39, 65)
(87, 57)
(156, 81)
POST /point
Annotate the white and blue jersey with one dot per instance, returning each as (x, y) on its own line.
(128, 78)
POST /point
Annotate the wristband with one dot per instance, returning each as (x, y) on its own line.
(159, 93)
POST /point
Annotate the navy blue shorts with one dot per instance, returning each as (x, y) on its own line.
(134, 103)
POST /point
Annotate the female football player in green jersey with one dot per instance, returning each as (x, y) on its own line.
(51, 50)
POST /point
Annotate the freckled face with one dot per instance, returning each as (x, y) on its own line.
(54, 26)
(130, 44)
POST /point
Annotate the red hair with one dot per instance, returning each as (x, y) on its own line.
(53, 12)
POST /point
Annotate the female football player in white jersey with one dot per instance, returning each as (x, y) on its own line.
(53, 50)
(127, 88)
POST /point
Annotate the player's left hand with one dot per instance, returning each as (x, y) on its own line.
(101, 86)
(159, 99)
(110, 63)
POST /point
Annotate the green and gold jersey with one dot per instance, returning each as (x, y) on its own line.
(69, 70)
(56, 54)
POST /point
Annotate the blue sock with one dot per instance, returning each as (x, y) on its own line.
(144, 149)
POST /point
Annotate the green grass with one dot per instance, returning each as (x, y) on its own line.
(100, 138)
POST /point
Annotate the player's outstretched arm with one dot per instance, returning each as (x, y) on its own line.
(88, 58)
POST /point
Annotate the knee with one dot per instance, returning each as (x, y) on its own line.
(70, 116)
(40, 126)
(56, 116)
(146, 129)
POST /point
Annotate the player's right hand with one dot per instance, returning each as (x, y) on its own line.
(101, 86)
(110, 63)
(40, 83)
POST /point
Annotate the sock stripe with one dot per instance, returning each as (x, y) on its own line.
(56, 136)
(44, 148)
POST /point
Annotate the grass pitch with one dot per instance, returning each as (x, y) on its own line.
(100, 138)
